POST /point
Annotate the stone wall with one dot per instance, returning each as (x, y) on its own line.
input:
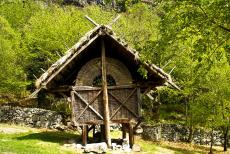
(32, 117)
(174, 132)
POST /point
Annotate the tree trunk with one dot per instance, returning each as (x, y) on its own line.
(114, 3)
(190, 136)
(156, 111)
(225, 132)
(211, 150)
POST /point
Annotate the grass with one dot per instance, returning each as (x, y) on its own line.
(35, 142)
(24, 140)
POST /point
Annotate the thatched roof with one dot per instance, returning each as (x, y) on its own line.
(99, 31)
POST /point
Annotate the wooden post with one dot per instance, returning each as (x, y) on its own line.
(105, 95)
(131, 135)
(94, 131)
(123, 131)
(102, 129)
(139, 100)
(84, 134)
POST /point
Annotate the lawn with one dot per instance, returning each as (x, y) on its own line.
(23, 140)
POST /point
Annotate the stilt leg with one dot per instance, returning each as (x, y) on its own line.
(84, 134)
(131, 136)
(102, 132)
(94, 131)
(123, 131)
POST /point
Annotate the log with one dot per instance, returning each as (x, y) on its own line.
(105, 95)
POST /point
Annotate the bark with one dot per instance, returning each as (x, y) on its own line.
(211, 150)
(190, 136)
(113, 3)
(225, 132)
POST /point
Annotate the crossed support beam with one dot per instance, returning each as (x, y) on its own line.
(88, 104)
(122, 104)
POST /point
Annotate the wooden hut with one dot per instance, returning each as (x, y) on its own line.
(100, 75)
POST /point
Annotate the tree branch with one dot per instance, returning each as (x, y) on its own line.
(213, 21)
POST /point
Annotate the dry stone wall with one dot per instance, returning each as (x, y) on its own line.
(175, 132)
(33, 117)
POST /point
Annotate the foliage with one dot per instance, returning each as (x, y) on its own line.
(138, 25)
(189, 39)
(194, 38)
(17, 13)
(12, 77)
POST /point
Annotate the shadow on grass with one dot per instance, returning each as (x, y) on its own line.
(55, 137)
(182, 150)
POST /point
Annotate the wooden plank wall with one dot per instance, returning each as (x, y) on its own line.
(87, 105)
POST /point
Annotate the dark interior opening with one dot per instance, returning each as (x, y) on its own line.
(97, 81)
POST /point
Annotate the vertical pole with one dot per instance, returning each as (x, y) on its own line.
(131, 135)
(102, 127)
(94, 131)
(123, 131)
(139, 101)
(84, 134)
(105, 95)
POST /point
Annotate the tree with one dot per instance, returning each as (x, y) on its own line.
(12, 76)
(194, 37)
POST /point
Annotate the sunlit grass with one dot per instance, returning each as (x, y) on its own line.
(34, 141)
(42, 141)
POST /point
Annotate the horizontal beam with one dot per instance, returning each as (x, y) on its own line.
(85, 88)
(116, 121)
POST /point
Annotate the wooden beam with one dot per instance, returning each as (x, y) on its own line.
(91, 20)
(136, 126)
(87, 105)
(73, 101)
(43, 70)
(131, 135)
(84, 134)
(85, 88)
(139, 101)
(122, 104)
(114, 20)
(123, 131)
(105, 95)
(91, 128)
(102, 129)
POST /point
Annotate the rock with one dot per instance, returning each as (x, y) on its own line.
(96, 147)
(139, 130)
(176, 132)
(67, 145)
(136, 148)
(71, 141)
(118, 147)
(78, 146)
(32, 117)
(114, 146)
(127, 149)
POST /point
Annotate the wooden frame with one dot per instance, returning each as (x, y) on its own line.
(88, 105)
(122, 104)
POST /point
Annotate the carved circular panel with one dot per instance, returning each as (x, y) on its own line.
(92, 69)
